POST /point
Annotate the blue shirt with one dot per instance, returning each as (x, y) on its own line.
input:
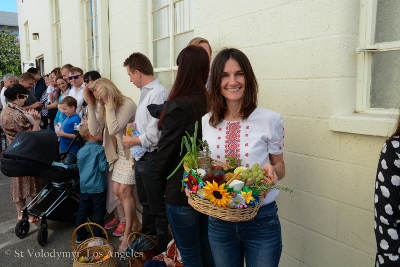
(68, 127)
(92, 165)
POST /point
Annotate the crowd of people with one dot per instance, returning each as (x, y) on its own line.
(220, 94)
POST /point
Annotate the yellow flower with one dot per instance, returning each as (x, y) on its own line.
(247, 196)
(217, 195)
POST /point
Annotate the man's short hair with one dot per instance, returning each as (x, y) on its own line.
(26, 76)
(84, 131)
(76, 69)
(69, 101)
(138, 61)
(33, 70)
(66, 66)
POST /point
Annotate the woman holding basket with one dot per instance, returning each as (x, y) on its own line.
(236, 127)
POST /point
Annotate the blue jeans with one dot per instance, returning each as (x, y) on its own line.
(88, 203)
(150, 189)
(259, 240)
(189, 230)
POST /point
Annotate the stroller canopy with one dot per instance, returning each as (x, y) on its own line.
(38, 146)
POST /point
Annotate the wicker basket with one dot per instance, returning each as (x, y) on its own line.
(140, 257)
(229, 214)
(94, 246)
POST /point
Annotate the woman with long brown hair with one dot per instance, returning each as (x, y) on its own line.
(237, 128)
(187, 103)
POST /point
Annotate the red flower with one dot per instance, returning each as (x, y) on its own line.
(192, 183)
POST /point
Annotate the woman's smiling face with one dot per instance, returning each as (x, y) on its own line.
(233, 81)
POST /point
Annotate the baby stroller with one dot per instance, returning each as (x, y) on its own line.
(33, 154)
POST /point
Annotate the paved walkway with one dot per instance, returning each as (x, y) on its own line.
(27, 252)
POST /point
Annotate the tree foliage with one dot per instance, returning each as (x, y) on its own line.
(10, 56)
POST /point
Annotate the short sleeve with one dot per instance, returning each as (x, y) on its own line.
(275, 145)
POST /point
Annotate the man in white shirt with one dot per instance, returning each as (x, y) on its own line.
(76, 79)
(8, 79)
(150, 187)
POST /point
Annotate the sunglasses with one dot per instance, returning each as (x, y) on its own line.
(86, 80)
(24, 95)
(74, 77)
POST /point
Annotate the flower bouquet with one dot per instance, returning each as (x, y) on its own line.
(229, 191)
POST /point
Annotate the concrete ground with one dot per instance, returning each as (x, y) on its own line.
(27, 252)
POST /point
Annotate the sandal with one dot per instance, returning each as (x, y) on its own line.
(134, 236)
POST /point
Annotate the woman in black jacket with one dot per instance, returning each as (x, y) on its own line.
(186, 104)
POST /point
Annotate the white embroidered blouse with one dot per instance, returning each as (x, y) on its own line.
(251, 140)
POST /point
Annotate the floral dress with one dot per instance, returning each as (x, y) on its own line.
(14, 120)
(387, 205)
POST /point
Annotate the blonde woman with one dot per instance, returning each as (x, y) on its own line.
(114, 112)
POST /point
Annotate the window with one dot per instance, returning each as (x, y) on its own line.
(92, 35)
(379, 57)
(172, 29)
(57, 32)
(27, 42)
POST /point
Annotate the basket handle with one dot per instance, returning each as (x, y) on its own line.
(90, 229)
(138, 233)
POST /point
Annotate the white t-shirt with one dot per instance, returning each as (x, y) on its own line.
(78, 95)
(50, 89)
(3, 98)
(251, 140)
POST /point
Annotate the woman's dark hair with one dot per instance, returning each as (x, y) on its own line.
(193, 68)
(15, 91)
(94, 75)
(217, 103)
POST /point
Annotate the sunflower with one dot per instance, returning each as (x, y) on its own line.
(247, 196)
(217, 195)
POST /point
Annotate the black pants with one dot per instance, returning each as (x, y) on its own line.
(89, 203)
(151, 190)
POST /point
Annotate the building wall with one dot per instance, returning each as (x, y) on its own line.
(304, 56)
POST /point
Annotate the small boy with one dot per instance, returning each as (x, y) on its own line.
(66, 133)
(92, 165)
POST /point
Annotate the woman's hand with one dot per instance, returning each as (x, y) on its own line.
(270, 176)
(88, 95)
(169, 262)
(35, 114)
(128, 141)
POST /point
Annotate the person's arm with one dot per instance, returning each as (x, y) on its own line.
(3, 98)
(173, 128)
(115, 123)
(102, 160)
(36, 116)
(276, 168)
(152, 135)
(33, 106)
(61, 133)
(53, 104)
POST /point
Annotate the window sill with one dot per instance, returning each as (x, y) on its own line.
(366, 124)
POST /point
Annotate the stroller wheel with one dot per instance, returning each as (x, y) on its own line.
(22, 228)
(42, 235)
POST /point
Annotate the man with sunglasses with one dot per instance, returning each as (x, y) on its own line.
(27, 80)
(76, 79)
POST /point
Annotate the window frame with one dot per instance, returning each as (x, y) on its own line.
(364, 58)
(172, 68)
(57, 28)
(94, 27)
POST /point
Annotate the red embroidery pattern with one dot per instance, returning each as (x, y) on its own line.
(232, 140)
